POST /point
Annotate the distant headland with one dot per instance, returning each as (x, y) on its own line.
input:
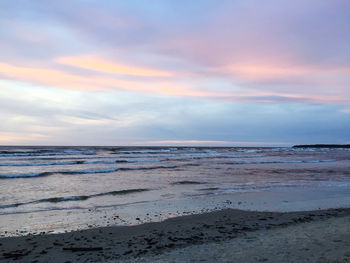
(322, 146)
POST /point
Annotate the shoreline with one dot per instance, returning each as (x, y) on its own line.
(144, 240)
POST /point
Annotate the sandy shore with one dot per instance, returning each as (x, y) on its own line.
(321, 241)
(223, 236)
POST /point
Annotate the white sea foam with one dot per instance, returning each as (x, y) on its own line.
(285, 161)
(148, 151)
(38, 164)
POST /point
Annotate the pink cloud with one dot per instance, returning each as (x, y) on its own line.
(271, 52)
(7, 138)
(346, 111)
(62, 79)
(173, 86)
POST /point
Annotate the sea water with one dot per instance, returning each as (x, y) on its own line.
(57, 189)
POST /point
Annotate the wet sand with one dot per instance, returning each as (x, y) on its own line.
(170, 240)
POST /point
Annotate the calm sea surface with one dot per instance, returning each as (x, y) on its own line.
(66, 188)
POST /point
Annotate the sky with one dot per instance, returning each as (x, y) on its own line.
(164, 72)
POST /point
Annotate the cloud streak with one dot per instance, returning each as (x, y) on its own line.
(103, 65)
(173, 87)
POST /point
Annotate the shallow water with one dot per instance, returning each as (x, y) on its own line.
(68, 188)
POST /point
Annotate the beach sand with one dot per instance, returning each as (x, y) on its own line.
(222, 236)
(322, 241)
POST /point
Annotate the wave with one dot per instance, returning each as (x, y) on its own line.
(275, 162)
(147, 151)
(240, 156)
(71, 208)
(188, 182)
(258, 188)
(162, 155)
(320, 161)
(190, 156)
(75, 198)
(41, 164)
(146, 168)
(89, 171)
(247, 188)
(79, 162)
(41, 152)
(122, 161)
(105, 162)
(25, 175)
(251, 187)
(60, 158)
(209, 189)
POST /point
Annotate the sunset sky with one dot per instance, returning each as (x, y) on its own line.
(157, 72)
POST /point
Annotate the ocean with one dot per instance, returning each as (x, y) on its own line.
(58, 189)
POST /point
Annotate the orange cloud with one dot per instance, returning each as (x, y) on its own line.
(49, 77)
(103, 65)
(173, 87)
(61, 79)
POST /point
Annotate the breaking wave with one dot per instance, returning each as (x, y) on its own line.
(75, 198)
(89, 171)
(272, 162)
